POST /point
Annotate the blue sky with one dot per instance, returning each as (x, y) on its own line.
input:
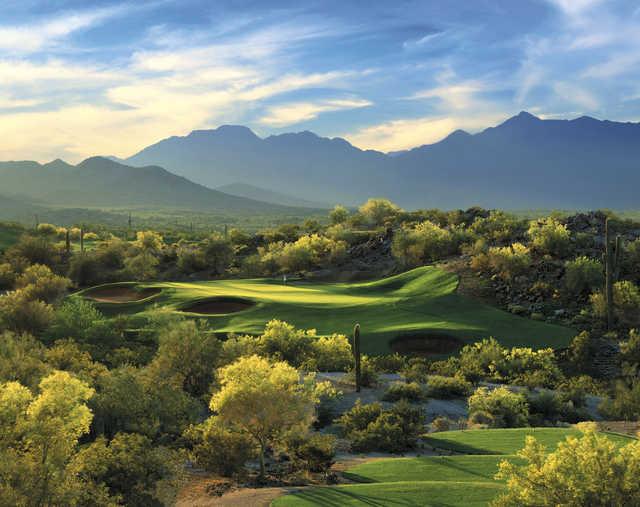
(79, 78)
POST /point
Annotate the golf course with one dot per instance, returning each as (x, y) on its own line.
(462, 479)
(418, 311)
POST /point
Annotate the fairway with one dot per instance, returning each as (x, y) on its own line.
(420, 303)
(457, 480)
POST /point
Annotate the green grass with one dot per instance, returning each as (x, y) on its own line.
(458, 480)
(503, 441)
(432, 494)
(421, 300)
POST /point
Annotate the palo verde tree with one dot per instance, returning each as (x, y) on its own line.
(265, 400)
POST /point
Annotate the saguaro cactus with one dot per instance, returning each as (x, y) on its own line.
(356, 354)
(612, 261)
(82, 239)
(68, 241)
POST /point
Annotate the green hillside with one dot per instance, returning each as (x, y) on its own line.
(421, 304)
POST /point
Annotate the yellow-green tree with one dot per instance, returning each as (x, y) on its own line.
(590, 470)
(148, 245)
(39, 437)
(264, 399)
(378, 211)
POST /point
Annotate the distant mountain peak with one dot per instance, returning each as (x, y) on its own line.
(227, 131)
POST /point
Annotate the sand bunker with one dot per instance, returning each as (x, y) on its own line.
(120, 294)
(426, 344)
(217, 306)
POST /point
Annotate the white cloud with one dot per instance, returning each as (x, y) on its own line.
(33, 37)
(403, 134)
(289, 114)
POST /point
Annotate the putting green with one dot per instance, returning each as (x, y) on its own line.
(420, 302)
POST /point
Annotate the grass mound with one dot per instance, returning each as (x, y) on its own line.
(458, 480)
(419, 303)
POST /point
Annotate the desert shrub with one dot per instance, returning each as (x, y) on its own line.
(576, 389)
(47, 229)
(84, 269)
(377, 212)
(219, 450)
(35, 249)
(441, 423)
(41, 283)
(19, 312)
(368, 373)
(22, 359)
(190, 259)
(580, 353)
(389, 363)
(131, 468)
(80, 319)
(549, 236)
(583, 275)
(630, 354)
(338, 215)
(521, 365)
(424, 242)
(476, 360)
(591, 470)
(314, 452)
(7, 276)
(91, 236)
(371, 428)
(307, 252)
(630, 267)
(547, 407)
(626, 303)
(445, 388)
(624, 402)
(498, 227)
(218, 253)
(508, 261)
(300, 348)
(417, 369)
(499, 408)
(331, 353)
(397, 391)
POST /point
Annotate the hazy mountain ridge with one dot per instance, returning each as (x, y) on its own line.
(98, 181)
(525, 162)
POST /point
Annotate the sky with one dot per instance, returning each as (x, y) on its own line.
(87, 77)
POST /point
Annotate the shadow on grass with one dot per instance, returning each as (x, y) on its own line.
(338, 497)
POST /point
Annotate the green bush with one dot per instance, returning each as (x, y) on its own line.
(583, 275)
(7, 276)
(314, 452)
(397, 391)
(19, 312)
(499, 408)
(417, 370)
(549, 236)
(371, 428)
(445, 388)
(43, 284)
(624, 402)
(626, 303)
(368, 373)
(508, 261)
(425, 242)
(218, 449)
(389, 363)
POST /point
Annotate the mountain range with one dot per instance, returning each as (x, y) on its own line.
(525, 162)
(101, 182)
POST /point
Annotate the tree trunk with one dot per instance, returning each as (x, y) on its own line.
(262, 467)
